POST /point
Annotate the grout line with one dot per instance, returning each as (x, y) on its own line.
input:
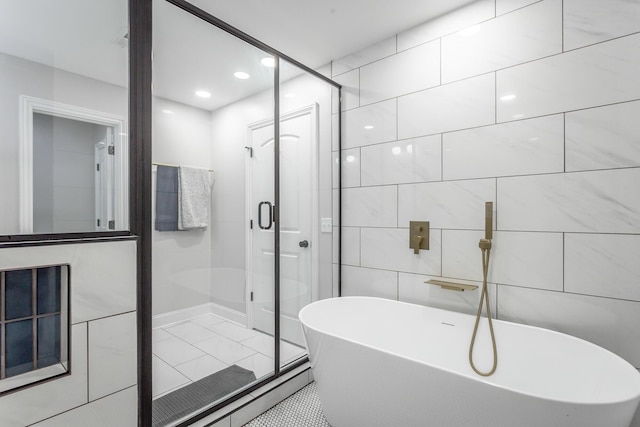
(563, 261)
(564, 141)
(562, 24)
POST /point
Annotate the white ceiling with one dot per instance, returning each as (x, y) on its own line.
(85, 37)
(316, 32)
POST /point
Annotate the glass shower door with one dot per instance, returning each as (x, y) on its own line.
(304, 183)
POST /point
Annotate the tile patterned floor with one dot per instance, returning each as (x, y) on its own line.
(187, 351)
(301, 409)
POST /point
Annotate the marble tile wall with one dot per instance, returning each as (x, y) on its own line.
(101, 389)
(533, 105)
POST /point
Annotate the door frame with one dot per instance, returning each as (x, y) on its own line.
(312, 111)
(29, 106)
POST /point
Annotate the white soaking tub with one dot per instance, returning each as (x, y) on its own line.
(386, 363)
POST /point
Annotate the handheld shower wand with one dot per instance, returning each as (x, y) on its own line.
(488, 220)
(485, 247)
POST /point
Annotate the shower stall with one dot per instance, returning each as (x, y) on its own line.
(262, 130)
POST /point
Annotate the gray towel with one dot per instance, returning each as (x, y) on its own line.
(193, 196)
(167, 198)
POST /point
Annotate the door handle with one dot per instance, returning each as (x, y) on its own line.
(270, 209)
(303, 244)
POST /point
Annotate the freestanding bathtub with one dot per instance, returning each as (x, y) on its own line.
(386, 363)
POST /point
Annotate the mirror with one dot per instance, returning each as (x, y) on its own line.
(63, 76)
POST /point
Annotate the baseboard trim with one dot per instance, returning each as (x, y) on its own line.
(165, 319)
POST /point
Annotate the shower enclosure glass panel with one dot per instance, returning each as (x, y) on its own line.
(305, 201)
(210, 89)
(226, 296)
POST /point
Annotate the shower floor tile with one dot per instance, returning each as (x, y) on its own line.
(190, 332)
(175, 351)
(201, 367)
(187, 351)
(260, 364)
(166, 378)
(224, 349)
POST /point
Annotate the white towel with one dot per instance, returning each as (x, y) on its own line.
(193, 196)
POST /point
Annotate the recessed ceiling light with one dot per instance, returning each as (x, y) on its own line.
(168, 112)
(368, 127)
(396, 150)
(509, 97)
(268, 62)
(351, 158)
(203, 94)
(241, 75)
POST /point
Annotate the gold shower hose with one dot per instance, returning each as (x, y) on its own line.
(485, 246)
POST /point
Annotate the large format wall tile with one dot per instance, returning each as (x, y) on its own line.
(609, 323)
(602, 201)
(534, 32)
(350, 168)
(350, 246)
(411, 288)
(350, 90)
(97, 288)
(112, 354)
(462, 18)
(368, 125)
(365, 56)
(460, 105)
(592, 21)
(33, 404)
(603, 264)
(506, 6)
(518, 148)
(357, 281)
(406, 161)
(602, 74)
(119, 409)
(461, 256)
(532, 260)
(370, 206)
(450, 204)
(603, 138)
(409, 71)
(388, 249)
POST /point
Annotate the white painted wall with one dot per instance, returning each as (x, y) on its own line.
(64, 174)
(182, 260)
(22, 77)
(560, 159)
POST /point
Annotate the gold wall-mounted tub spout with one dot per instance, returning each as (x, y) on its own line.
(451, 285)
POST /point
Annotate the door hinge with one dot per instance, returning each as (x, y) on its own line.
(251, 295)
(98, 222)
(112, 150)
(112, 225)
(97, 167)
(251, 224)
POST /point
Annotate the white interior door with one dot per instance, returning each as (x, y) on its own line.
(105, 182)
(298, 214)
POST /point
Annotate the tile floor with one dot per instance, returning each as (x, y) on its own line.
(301, 409)
(187, 351)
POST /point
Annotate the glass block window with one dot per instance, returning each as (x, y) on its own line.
(34, 325)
